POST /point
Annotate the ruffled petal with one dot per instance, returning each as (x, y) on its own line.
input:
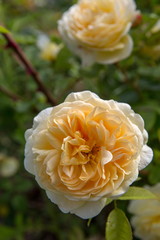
(64, 203)
(109, 57)
(81, 96)
(146, 157)
(28, 161)
(90, 209)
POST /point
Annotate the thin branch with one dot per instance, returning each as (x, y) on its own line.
(10, 94)
(29, 68)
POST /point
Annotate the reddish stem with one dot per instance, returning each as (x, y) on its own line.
(29, 68)
(11, 95)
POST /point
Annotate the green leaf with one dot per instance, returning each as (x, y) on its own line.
(135, 193)
(89, 222)
(118, 226)
(3, 30)
(109, 200)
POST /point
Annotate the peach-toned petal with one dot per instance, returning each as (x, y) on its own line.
(85, 150)
(98, 32)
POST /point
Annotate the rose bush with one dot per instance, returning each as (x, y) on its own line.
(86, 150)
(146, 219)
(97, 30)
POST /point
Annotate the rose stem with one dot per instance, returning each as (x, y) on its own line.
(10, 94)
(115, 204)
(29, 68)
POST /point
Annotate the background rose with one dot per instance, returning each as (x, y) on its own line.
(49, 49)
(146, 219)
(8, 166)
(97, 30)
(85, 150)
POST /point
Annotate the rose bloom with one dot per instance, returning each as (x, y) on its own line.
(8, 166)
(146, 219)
(49, 49)
(86, 150)
(97, 30)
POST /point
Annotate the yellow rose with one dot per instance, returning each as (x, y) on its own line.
(86, 150)
(97, 30)
(156, 27)
(8, 166)
(49, 49)
(146, 219)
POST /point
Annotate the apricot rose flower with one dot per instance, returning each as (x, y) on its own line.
(97, 30)
(86, 150)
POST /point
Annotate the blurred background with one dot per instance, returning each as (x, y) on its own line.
(25, 211)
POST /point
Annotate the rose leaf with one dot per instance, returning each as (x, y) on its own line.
(118, 226)
(136, 193)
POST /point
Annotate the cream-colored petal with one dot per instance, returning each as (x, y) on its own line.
(85, 96)
(28, 161)
(63, 203)
(90, 209)
(146, 216)
(137, 120)
(146, 157)
(145, 135)
(109, 57)
(40, 123)
(40, 119)
(95, 31)
(86, 149)
(106, 157)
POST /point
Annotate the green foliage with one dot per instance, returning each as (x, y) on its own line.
(3, 30)
(117, 226)
(7, 232)
(137, 193)
(25, 211)
(109, 200)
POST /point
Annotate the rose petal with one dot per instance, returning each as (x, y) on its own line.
(63, 203)
(146, 157)
(85, 96)
(109, 57)
(90, 209)
(41, 117)
(84, 150)
(98, 32)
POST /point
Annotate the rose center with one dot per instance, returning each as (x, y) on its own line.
(91, 155)
(77, 151)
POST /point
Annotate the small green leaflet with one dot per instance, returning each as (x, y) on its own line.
(3, 29)
(89, 222)
(118, 226)
(137, 193)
